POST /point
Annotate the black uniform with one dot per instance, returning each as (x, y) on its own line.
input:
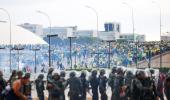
(63, 80)
(49, 82)
(111, 80)
(137, 87)
(40, 88)
(118, 84)
(102, 87)
(102, 84)
(84, 85)
(128, 81)
(75, 87)
(149, 94)
(94, 83)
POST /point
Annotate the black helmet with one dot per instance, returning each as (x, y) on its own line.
(41, 76)
(119, 70)
(72, 74)
(113, 69)
(56, 76)
(152, 71)
(62, 73)
(83, 74)
(27, 76)
(129, 73)
(50, 70)
(94, 72)
(140, 73)
(102, 72)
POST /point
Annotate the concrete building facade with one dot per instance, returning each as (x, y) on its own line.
(63, 32)
(165, 36)
(35, 28)
(112, 31)
(130, 37)
(84, 33)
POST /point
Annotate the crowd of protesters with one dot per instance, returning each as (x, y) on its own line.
(124, 84)
(85, 54)
(121, 53)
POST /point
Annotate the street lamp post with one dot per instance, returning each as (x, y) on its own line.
(133, 20)
(161, 47)
(48, 17)
(70, 39)
(75, 52)
(137, 44)
(149, 54)
(18, 49)
(98, 54)
(49, 40)
(109, 41)
(10, 36)
(160, 29)
(97, 26)
(35, 58)
(76, 58)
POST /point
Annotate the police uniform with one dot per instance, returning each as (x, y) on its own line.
(94, 83)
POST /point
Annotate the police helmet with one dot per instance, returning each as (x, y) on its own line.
(102, 72)
(72, 74)
(113, 69)
(129, 73)
(119, 70)
(83, 74)
(152, 71)
(140, 73)
(94, 72)
(62, 73)
(41, 76)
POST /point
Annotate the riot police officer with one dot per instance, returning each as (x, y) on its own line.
(75, 87)
(94, 83)
(40, 87)
(111, 79)
(119, 92)
(149, 82)
(84, 85)
(128, 80)
(49, 82)
(137, 87)
(102, 84)
(63, 80)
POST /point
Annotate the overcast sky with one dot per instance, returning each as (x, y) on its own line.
(74, 13)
